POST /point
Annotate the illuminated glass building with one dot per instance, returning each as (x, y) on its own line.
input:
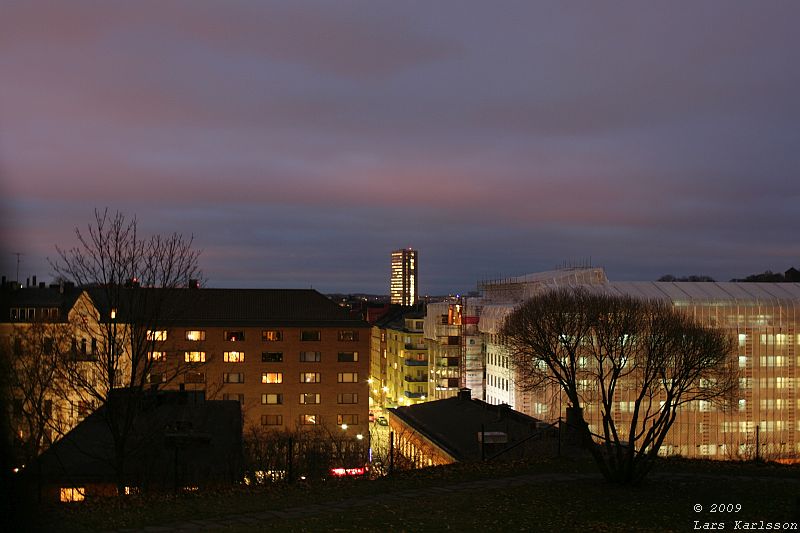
(403, 285)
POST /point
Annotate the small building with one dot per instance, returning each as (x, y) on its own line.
(178, 441)
(462, 429)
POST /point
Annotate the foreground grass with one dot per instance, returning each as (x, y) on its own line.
(664, 503)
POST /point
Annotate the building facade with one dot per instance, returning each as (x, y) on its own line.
(404, 283)
(400, 358)
(761, 317)
(292, 358)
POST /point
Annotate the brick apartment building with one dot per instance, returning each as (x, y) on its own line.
(292, 357)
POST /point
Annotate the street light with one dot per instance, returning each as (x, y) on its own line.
(344, 426)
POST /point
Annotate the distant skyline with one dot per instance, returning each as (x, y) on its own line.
(301, 142)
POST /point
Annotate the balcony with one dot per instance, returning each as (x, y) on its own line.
(416, 379)
(415, 346)
(414, 362)
(409, 394)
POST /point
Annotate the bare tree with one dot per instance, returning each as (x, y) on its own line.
(133, 282)
(602, 349)
(36, 385)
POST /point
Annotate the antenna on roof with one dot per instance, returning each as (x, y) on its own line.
(17, 254)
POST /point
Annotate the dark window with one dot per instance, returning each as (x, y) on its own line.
(348, 335)
(233, 377)
(310, 357)
(310, 335)
(234, 335)
(271, 420)
(310, 398)
(238, 397)
(195, 377)
(348, 397)
(271, 357)
(452, 340)
(346, 419)
(348, 357)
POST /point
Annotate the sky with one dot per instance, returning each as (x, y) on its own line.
(299, 143)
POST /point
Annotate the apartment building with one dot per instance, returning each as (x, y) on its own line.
(400, 358)
(455, 348)
(292, 358)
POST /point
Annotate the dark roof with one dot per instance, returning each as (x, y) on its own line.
(395, 318)
(85, 454)
(453, 424)
(38, 297)
(232, 307)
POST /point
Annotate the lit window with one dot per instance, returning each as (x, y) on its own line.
(233, 357)
(272, 399)
(72, 494)
(271, 357)
(346, 419)
(195, 335)
(195, 357)
(347, 377)
(156, 335)
(310, 357)
(349, 397)
(271, 335)
(742, 361)
(742, 339)
(234, 335)
(348, 357)
(310, 377)
(272, 377)
(310, 398)
(310, 335)
(271, 420)
(348, 335)
(233, 377)
(156, 356)
(309, 420)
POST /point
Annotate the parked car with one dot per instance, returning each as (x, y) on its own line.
(382, 421)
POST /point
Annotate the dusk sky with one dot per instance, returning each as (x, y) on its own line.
(300, 142)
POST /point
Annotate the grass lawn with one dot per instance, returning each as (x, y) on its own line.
(664, 503)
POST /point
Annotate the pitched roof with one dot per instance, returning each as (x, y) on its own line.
(85, 454)
(453, 424)
(231, 307)
(38, 297)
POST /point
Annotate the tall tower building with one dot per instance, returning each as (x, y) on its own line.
(403, 286)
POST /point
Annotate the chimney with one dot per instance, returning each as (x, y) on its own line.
(27, 282)
(4, 282)
(465, 394)
(33, 282)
